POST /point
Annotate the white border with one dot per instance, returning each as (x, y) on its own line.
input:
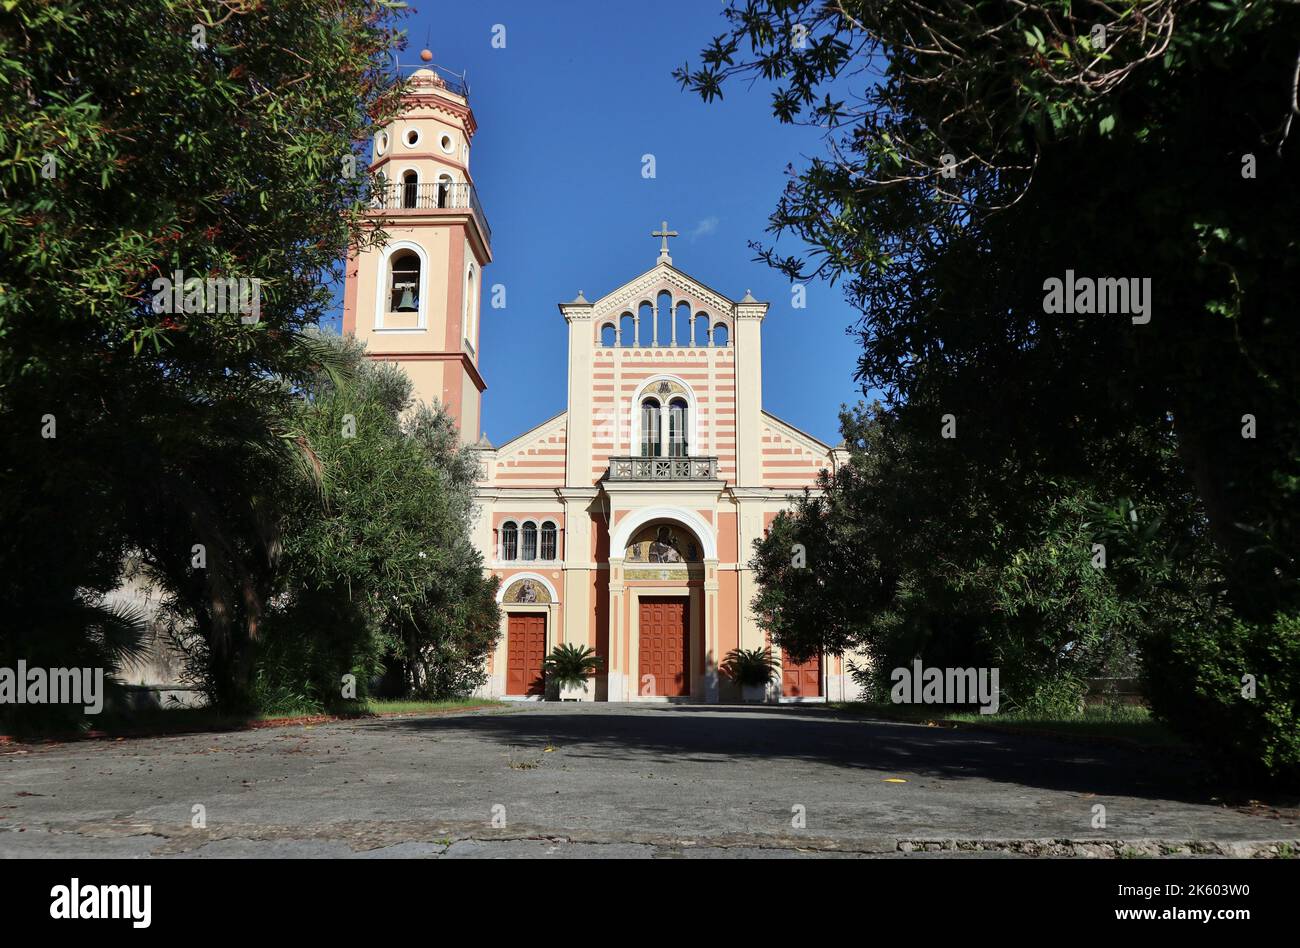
(508, 581)
(381, 286)
(634, 417)
(637, 519)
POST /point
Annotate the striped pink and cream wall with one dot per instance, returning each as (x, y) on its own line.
(533, 462)
(788, 461)
(711, 375)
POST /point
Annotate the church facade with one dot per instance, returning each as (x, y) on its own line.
(625, 522)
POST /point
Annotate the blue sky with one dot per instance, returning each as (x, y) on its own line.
(565, 111)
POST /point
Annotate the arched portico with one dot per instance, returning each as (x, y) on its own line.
(663, 598)
(636, 519)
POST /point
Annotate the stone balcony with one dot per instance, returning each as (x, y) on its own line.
(663, 469)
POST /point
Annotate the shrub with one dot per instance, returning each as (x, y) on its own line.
(571, 664)
(1195, 677)
(754, 666)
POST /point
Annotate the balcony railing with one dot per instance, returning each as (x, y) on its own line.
(663, 469)
(457, 195)
(440, 79)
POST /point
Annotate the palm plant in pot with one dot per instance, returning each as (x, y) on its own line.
(753, 669)
(568, 667)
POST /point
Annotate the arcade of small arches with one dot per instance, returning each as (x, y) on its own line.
(527, 542)
(666, 324)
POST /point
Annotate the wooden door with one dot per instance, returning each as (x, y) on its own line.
(525, 652)
(801, 680)
(665, 647)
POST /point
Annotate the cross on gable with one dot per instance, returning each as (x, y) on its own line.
(665, 233)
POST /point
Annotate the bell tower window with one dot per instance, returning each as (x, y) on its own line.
(410, 189)
(469, 319)
(404, 283)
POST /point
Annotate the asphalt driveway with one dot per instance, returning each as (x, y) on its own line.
(621, 780)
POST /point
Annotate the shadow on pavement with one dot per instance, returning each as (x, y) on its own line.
(719, 734)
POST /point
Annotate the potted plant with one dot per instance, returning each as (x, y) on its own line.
(569, 666)
(753, 669)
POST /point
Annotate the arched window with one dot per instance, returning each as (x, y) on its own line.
(647, 325)
(627, 330)
(682, 331)
(700, 330)
(608, 335)
(444, 191)
(410, 189)
(548, 540)
(404, 282)
(649, 428)
(664, 320)
(530, 541)
(720, 334)
(677, 445)
(509, 541)
(469, 318)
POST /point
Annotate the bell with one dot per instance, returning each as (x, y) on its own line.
(407, 305)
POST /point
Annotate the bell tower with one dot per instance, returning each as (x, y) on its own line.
(416, 300)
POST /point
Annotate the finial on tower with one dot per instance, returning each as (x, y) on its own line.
(665, 233)
(426, 55)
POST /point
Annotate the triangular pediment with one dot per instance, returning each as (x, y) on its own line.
(802, 438)
(551, 427)
(647, 287)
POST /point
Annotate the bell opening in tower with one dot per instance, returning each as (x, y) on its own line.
(404, 291)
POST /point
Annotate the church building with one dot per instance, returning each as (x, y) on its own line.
(625, 522)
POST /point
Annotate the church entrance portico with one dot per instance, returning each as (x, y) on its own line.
(663, 603)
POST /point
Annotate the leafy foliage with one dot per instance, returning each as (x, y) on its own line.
(385, 576)
(753, 666)
(135, 145)
(1199, 676)
(904, 555)
(570, 665)
(975, 149)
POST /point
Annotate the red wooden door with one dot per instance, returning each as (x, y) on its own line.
(665, 647)
(525, 652)
(801, 680)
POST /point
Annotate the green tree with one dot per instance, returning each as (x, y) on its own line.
(903, 554)
(140, 139)
(977, 149)
(385, 574)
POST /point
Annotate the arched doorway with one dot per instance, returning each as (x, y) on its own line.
(528, 628)
(661, 564)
